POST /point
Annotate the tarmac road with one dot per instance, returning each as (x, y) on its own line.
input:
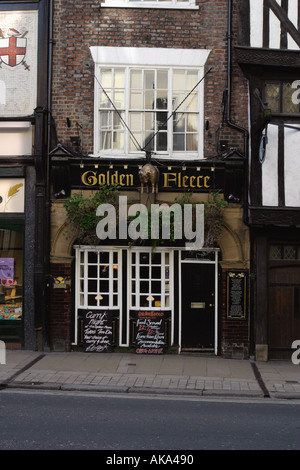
(142, 424)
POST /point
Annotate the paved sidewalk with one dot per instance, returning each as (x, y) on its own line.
(132, 373)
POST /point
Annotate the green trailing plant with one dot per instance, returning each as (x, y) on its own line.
(81, 212)
(213, 219)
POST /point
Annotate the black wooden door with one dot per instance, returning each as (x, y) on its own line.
(284, 310)
(198, 306)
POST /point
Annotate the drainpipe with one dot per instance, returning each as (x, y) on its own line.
(228, 90)
(228, 108)
(48, 169)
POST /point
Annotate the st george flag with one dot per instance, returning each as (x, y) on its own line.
(18, 63)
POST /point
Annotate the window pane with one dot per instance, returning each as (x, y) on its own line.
(192, 79)
(149, 99)
(178, 142)
(136, 79)
(162, 79)
(273, 96)
(287, 103)
(192, 142)
(136, 100)
(289, 252)
(106, 78)
(119, 79)
(118, 140)
(162, 141)
(178, 80)
(149, 80)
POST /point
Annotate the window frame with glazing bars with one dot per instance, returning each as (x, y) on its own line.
(280, 112)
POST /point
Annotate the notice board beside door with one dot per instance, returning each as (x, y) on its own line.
(150, 332)
(236, 287)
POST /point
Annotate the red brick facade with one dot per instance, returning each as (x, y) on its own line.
(80, 25)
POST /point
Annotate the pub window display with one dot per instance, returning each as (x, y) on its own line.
(11, 275)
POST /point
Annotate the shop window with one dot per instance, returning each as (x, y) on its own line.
(11, 275)
(150, 280)
(98, 278)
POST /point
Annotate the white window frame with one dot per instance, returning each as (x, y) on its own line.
(166, 4)
(166, 293)
(82, 296)
(152, 58)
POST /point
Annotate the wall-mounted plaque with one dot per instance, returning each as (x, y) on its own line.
(236, 288)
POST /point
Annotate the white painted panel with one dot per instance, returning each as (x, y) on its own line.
(292, 167)
(270, 169)
(293, 16)
(15, 141)
(256, 23)
(275, 30)
(12, 195)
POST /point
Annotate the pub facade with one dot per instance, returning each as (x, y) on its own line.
(146, 111)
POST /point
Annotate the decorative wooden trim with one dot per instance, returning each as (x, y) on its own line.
(266, 216)
(250, 56)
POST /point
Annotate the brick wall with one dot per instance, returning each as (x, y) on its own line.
(81, 24)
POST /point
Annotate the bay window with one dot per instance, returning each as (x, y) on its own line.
(149, 100)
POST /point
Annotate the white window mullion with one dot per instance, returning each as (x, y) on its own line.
(126, 114)
(170, 110)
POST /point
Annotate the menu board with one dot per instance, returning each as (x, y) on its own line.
(236, 295)
(150, 332)
(97, 331)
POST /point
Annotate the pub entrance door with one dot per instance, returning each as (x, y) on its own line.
(199, 305)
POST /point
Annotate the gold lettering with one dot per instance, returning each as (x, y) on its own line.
(129, 180)
(191, 181)
(168, 179)
(115, 177)
(185, 178)
(121, 180)
(198, 182)
(206, 179)
(101, 179)
(89, 178)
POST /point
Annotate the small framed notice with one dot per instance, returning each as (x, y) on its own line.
(236, 289)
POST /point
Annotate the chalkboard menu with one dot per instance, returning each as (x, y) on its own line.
(236, 295)
(97, 331)
(150, 332)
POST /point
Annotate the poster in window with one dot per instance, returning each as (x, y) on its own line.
(7, 271)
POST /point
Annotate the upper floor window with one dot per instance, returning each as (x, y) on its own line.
(157, 108)
(282, 97)
(188, 4)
